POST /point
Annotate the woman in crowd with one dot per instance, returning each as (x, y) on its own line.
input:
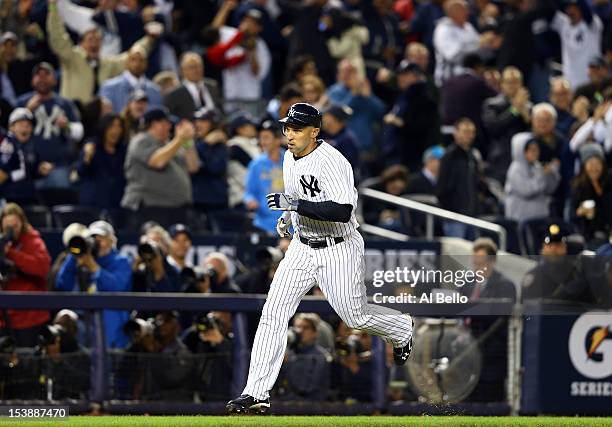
(100, 165)
(592, 196)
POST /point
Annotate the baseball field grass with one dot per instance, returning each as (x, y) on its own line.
(323, 421)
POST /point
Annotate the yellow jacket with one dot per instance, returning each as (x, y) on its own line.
(77, 74)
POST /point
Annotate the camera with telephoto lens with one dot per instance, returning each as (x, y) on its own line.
(83, 245)
(191, 277)
(349, 346)
(7, 267)
(148, 250)
(7, 345)
(206, 322)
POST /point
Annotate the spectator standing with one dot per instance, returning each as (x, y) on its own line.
(561, 99)
(529, 185)
(265, 176)
(27, 254)
(412, 125)
(464, 94)
(580, 32)
(591, 207)
(453, 38)
(348, 35)
(118, 89)
(306, 38)
(458, 183)
(209, 181)
(105, 270)
(385, 42)
(597, 128)
(131, 116)
(195, 91)
(8, 56)
(243, 148)
(157, 171)
(17, 162)
(100, 166)
(504, 116)
(56, 126)
(553, 148)
(83, 68)
(356, 93)
(243, 82)
(599, 81)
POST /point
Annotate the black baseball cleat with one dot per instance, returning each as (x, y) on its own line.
(246, 404)
(401, 354)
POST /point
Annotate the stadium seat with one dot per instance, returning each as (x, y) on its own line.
(39, 216)
(64, 215)
(514, 241)
(229, 221)
(59, 196)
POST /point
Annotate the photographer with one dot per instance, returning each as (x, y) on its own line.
(180, 245)
(94, 264)
(152, 271)
(217, 269)
(354, 367)
(64, 366)
(306, 371)
(209, 337)
(173, 369)
(24, 264)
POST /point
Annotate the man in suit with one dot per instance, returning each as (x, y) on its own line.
(117, 90)
(83, 66)
(195, 91)
(464, 94)
(424, 181)
(495, 284)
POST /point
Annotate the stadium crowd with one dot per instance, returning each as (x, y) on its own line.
(161, 116)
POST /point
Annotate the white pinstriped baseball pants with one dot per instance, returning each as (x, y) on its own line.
(339, 272)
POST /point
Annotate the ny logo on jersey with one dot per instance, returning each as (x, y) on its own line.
(309, 182)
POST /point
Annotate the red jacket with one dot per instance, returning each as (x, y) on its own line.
(33, 263)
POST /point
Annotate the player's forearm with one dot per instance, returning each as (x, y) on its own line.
(325, 211)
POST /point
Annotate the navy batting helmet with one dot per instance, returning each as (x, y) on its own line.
(302, 115)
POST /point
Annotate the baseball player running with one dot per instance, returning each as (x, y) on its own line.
(320, 201)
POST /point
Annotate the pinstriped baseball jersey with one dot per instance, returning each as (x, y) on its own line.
(322, 175)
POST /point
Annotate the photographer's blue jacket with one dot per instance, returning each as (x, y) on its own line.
(114, 275)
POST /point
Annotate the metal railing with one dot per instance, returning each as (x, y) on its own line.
(432, 211)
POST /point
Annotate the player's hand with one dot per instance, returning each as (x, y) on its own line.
(281, 202)
(282, 227)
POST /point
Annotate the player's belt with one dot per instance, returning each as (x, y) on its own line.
(321, 243)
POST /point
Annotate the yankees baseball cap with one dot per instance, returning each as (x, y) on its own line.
(19, 114)
(302, 115)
